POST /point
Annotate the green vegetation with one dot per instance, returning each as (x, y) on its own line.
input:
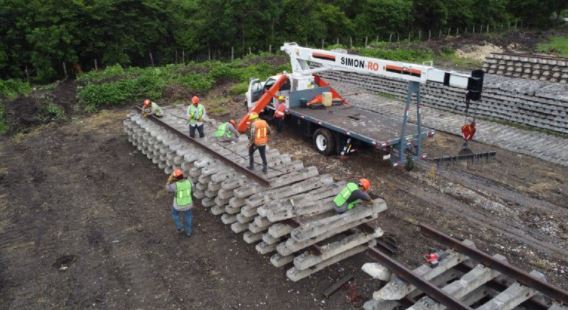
(555, 44)
(117, 86)
(40, 37)
(11, 89)
(53, 112)
(401, 52)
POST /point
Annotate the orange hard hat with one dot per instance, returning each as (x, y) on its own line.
(177, 173)
(233, 122)
(365, 184)
(147, 102)
(195, 99)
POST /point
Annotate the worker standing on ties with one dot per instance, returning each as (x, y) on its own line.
(226, 132)
(279, 114)
(195, 113)
(182, 202)
(258, 134)
(151, 108)
(351, 195)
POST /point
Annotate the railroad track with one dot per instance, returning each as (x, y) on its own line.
(287, 212)
(465, 278)
(528, 66)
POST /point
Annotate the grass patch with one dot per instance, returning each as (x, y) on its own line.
(53, 112)
(396, 51)
(116, 85)
(12, 89)
(238, 88)
(554, 45)
(448, 57)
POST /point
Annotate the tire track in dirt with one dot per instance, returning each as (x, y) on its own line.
(446, 203)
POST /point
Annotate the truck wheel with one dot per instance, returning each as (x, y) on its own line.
(324, 141)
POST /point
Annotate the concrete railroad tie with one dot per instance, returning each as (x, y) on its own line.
(295, 191)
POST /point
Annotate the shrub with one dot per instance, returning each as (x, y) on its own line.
(95, 96)
(109, 73)
(11, 89)
(53, 112)
(239, 88)
(555, 44)
(198, 83)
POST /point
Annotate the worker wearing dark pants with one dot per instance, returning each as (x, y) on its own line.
(262, 150)
(351, 195)
(195, 113)
(258, 134)
(194, 129)
(279, 114)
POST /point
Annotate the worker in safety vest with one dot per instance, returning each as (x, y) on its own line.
(258, 134)
(151, 108)
(279, 113)
(195, 113)
(351, 195)
(226, 132)
(182, 202)
(469, 130)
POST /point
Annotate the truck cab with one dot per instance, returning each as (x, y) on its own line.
(256, 88)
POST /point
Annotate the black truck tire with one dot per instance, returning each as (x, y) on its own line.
(324, 141)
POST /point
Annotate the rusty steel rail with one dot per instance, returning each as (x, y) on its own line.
(465, 157)
(421, 284)
(508, 270)
(261, 180)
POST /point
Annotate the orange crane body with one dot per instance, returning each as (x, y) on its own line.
(262, 103)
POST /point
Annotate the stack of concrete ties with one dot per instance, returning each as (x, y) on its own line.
(292, 217)
(552, 69)
(533, 103)
(471, 287)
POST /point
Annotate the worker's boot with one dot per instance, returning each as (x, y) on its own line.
(265, 169)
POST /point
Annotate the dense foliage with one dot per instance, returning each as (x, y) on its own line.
(116, 85)
(39, 38)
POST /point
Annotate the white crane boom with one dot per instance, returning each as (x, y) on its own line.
(300, 58)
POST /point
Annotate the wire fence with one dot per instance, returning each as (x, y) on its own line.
(182, 56)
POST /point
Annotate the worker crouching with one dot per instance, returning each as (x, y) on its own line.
(258, 134)
(151, 108)
(182, 202)
(351, 194)
(226, 132)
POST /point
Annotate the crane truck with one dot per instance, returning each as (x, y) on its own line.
(339, 127)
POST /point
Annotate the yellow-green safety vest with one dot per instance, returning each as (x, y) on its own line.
(341, 198)
(195, 113)
(222, 131)
(183, 193)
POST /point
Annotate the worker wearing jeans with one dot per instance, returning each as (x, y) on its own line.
(258, 134)
(182, 202)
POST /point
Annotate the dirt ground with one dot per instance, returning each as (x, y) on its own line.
(86, 223)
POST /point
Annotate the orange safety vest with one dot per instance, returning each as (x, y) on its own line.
(260, 132)
(468, 131)
(280, 111)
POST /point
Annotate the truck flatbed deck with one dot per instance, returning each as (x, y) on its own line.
(366, 126)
